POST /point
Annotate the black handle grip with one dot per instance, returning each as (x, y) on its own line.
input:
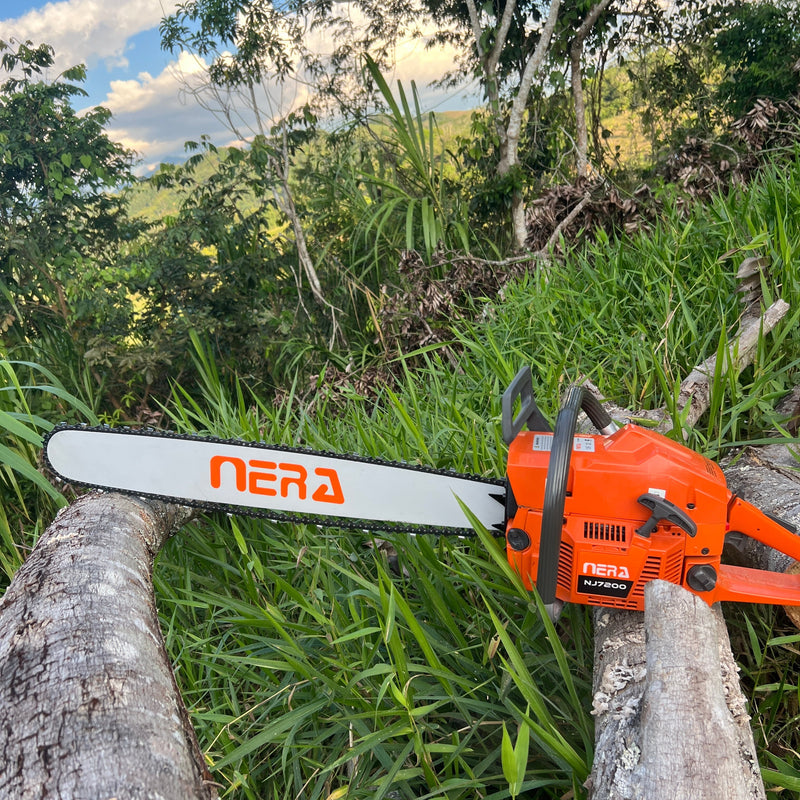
(555, 493)
(600, 418)
(663, 510)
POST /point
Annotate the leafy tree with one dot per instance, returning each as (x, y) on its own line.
(218, 269)
(61, 223)
(521, 51)
(759, 49)
(258, 51)
(508, 45)
(712, 59)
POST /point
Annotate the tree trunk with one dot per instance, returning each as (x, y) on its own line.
(576, 79)
(767, 478)
(88, 700)
(579, 104)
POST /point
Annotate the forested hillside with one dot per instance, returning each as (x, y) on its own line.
(368, 278)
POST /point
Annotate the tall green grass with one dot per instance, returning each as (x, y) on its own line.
(317, 666)
(30, 397)
(315, 670)
(636, 315)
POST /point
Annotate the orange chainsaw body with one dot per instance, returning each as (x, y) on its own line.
(613, 541)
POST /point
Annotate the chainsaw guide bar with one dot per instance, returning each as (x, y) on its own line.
(275, 482)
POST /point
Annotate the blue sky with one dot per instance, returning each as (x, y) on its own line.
(128, 73)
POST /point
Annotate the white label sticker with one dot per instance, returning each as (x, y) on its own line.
(662, 493)
(580, 444)
(583, 444)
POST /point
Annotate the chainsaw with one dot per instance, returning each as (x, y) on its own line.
(587, 518)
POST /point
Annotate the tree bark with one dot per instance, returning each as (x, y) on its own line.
(88, 700)
(693, 711)
(579, 105)
(671, 718)
(767, 478)
(763, 476)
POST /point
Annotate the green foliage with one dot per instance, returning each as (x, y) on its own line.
(712, 61)
(30, 397)
(312, 664)
(759, 49)
(61, 225)
(416, 193)
(247, 42)
(478, 154)
(221, 266)
(636, 315)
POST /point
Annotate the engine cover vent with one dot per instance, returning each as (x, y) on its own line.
(604, 532)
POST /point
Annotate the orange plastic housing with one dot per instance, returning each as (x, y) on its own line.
(603, 560)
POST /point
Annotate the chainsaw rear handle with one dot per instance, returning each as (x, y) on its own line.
(555, 491)
(744, 584)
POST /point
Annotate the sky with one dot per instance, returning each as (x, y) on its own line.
(141, 85)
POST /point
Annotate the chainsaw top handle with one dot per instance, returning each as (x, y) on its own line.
(521, 388)
(556, 486)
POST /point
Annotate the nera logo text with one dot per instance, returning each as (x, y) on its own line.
(605, 570)
(275, 479)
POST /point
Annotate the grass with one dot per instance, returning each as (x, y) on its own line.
(28, 394)
(310, 665)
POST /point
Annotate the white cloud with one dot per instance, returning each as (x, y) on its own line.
(88, 31)
(155, 112)
(154, 116)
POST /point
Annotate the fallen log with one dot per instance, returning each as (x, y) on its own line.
(768, 478)
(88, 700)
(695, 392)
(671, 719)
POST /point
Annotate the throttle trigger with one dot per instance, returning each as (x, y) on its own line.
(664, 511)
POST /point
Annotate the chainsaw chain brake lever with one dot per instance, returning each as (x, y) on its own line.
(521, 388)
